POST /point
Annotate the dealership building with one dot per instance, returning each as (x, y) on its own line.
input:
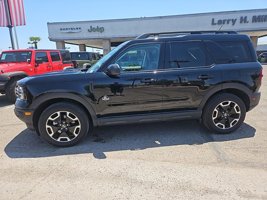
(105, 34)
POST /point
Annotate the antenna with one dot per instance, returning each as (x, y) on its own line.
(221, 27)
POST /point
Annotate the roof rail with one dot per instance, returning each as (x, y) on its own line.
(147, 35)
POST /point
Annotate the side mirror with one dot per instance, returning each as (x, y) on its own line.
(86, 65)
(29, 61)
(113, 70)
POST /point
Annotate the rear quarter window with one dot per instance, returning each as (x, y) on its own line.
(229, 51)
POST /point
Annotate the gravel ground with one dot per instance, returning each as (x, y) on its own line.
(170, 160)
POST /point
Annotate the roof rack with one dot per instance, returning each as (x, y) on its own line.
(147, 35)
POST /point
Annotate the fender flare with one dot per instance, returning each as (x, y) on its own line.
(236, 86)
(43, 98)
(15, 74)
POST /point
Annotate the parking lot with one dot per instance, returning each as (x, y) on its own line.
(168, 160)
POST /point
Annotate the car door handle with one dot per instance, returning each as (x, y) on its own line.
(204, 77)
(147, 80)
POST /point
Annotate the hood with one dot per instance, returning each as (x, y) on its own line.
(64, 81)
(69, 75)
(11, 67)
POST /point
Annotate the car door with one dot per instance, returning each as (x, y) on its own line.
(136, 90)
(57, 64)
(188, 75)
(42, 63)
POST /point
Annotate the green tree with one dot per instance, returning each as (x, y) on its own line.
(34, 40)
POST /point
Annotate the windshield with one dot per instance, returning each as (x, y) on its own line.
(16, 56)
(98, 64)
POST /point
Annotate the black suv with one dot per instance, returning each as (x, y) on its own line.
(211, 76)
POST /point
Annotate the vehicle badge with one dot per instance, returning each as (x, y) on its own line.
(105, 98)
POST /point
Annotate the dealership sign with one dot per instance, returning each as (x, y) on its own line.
(240, 20)
(70, 29)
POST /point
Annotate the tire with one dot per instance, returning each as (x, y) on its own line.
(224, 113)
(63, 124)
(10, 91)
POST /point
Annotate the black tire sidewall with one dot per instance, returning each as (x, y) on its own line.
(78, 111)
(211, 105)
(10, 91)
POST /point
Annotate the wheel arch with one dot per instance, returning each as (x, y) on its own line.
(233, 88)
(15, 75)
(41, 103)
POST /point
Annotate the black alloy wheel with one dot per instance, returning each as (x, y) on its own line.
(63, 124)
(224, 113)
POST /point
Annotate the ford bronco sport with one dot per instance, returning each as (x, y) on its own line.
(211, 76)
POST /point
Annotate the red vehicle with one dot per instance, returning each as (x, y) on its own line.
(17, 64)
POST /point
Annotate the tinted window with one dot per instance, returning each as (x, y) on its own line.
(79, 56)
(55, 56)
(140, 57)
(229, 52)
(94, 56)
(65, 56)
(41, 56)
(187, 54)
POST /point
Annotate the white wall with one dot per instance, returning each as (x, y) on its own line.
(137, 26)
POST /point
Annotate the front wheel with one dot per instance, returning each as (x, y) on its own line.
(63, 124)
(10, 91)
(224, 113)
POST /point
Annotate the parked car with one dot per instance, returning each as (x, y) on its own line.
(84, 59)
(17, 64)
(263, 57)
(213, 77)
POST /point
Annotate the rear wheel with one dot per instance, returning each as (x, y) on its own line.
(224, 113)
(63, 124)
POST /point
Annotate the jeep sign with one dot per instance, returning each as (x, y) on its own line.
(96, 29)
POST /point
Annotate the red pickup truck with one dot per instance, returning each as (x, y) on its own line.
(17, 64)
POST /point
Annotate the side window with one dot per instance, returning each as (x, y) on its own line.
(55, 56)
(90, 56)
(224, 52)
(41, 56)
(187, 54)
(140, 57)
(219, 55)
(238, 51)
(66, 57)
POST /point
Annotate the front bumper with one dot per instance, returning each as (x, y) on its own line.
(24, 114)
(254, 100)
(2, 86)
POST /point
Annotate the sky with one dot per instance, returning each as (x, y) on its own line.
(38, 13)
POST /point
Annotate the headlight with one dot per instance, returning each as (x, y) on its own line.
(20, 92)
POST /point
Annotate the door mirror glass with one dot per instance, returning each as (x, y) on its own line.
(113, 70)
